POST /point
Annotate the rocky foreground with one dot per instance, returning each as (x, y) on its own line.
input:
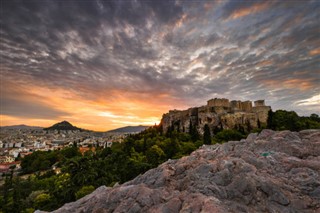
(269, 172)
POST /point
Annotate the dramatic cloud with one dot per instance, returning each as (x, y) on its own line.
(104, 64)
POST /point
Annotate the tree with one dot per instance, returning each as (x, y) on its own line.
(84, 191)
(270, 120)
(42, 200)
(216, 130)
(259, 124)
(82, 170)
(193, 132)
(206, 135)
(315, 117)
(105, 152)
(249, 128)
(285, 120)
(190, 127)
(17, 195)
(228, 135)
(155, 155)
(170, 130)
(63, 188)
(129, 143)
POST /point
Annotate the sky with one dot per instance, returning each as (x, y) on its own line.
(107, 64)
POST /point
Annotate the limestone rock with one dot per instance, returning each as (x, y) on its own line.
(268, 172)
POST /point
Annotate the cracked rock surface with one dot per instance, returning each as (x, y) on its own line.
(267, 172)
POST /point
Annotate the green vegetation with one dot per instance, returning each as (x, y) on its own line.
(42, 187)
(228, 135)
(289, 120)
(206, 135)
(40, 161)
(84, 191)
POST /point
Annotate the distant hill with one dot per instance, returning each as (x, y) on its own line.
(64, 125)
(22, 126)
(130, 129)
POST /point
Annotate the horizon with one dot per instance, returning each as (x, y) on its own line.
(76, 126)
(97, 130)
(103, 65)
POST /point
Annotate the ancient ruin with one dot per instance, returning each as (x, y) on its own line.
(218, 113)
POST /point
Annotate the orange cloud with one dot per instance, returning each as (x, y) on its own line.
(101, 112)
(258, 7)
(208, 6)
(180, 21)
(265, 63)
(314, 52)
(301, 84)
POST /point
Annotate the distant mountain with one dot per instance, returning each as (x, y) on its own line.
(64, 125)
(130, 129)
(22, 126)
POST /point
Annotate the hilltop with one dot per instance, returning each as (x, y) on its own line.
(129, 129)
(218, 114)
(267, 172)
(64, 125)
(22, 126)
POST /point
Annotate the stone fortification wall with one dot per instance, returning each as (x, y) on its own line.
(219, 102)
(246, 106)
(217, 113)
(193, 111)
(235, 105)
(259, 103)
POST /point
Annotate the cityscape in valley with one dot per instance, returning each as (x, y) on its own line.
(18, 141)
(159, 106)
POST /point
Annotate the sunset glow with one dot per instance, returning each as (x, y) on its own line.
(106, 64)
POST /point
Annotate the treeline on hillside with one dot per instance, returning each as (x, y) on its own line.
(79, 174)
(290, 120)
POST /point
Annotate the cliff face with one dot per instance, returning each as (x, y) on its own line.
(269, 172)
(218, 113)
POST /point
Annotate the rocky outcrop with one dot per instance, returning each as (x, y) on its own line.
(267, 172)
(218, 113)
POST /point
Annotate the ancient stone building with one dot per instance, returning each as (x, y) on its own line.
(259, 103)
(246, 106)
(222, 102)
(235, 106)
(218, 113)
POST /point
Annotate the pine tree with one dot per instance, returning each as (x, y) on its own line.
(270, 120)
(193, 132)
(249, 128)
(216, 130)
(178, 130)
(190, 127)
(206, 135)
